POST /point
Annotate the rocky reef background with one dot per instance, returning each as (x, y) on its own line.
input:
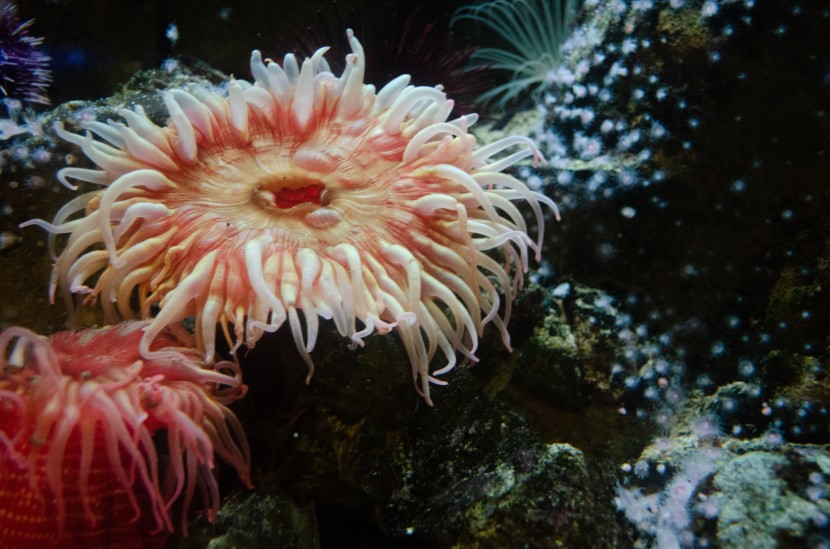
(668, 385)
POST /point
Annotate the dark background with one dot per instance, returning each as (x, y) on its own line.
(95, 46)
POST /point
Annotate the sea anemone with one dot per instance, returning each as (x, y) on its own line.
(24, 69)
(303, 192)
(78, 460)
(533, 31)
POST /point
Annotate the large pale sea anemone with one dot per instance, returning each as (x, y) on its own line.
(300, 196)
(78, 414)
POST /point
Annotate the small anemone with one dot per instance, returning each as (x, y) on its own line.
(534, 30)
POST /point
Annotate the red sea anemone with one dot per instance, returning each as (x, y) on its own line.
(302, 195)
(78, 462)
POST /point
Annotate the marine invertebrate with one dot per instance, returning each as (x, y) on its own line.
(78, 463)
(534, 31)
(308, 194)
(24, 69)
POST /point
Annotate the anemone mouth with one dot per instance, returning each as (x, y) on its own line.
(289, 194)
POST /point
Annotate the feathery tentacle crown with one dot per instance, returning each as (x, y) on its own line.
(304, 195)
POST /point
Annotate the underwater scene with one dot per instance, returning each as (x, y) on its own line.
(364, 274)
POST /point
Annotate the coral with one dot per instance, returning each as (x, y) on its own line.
(732, 494)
